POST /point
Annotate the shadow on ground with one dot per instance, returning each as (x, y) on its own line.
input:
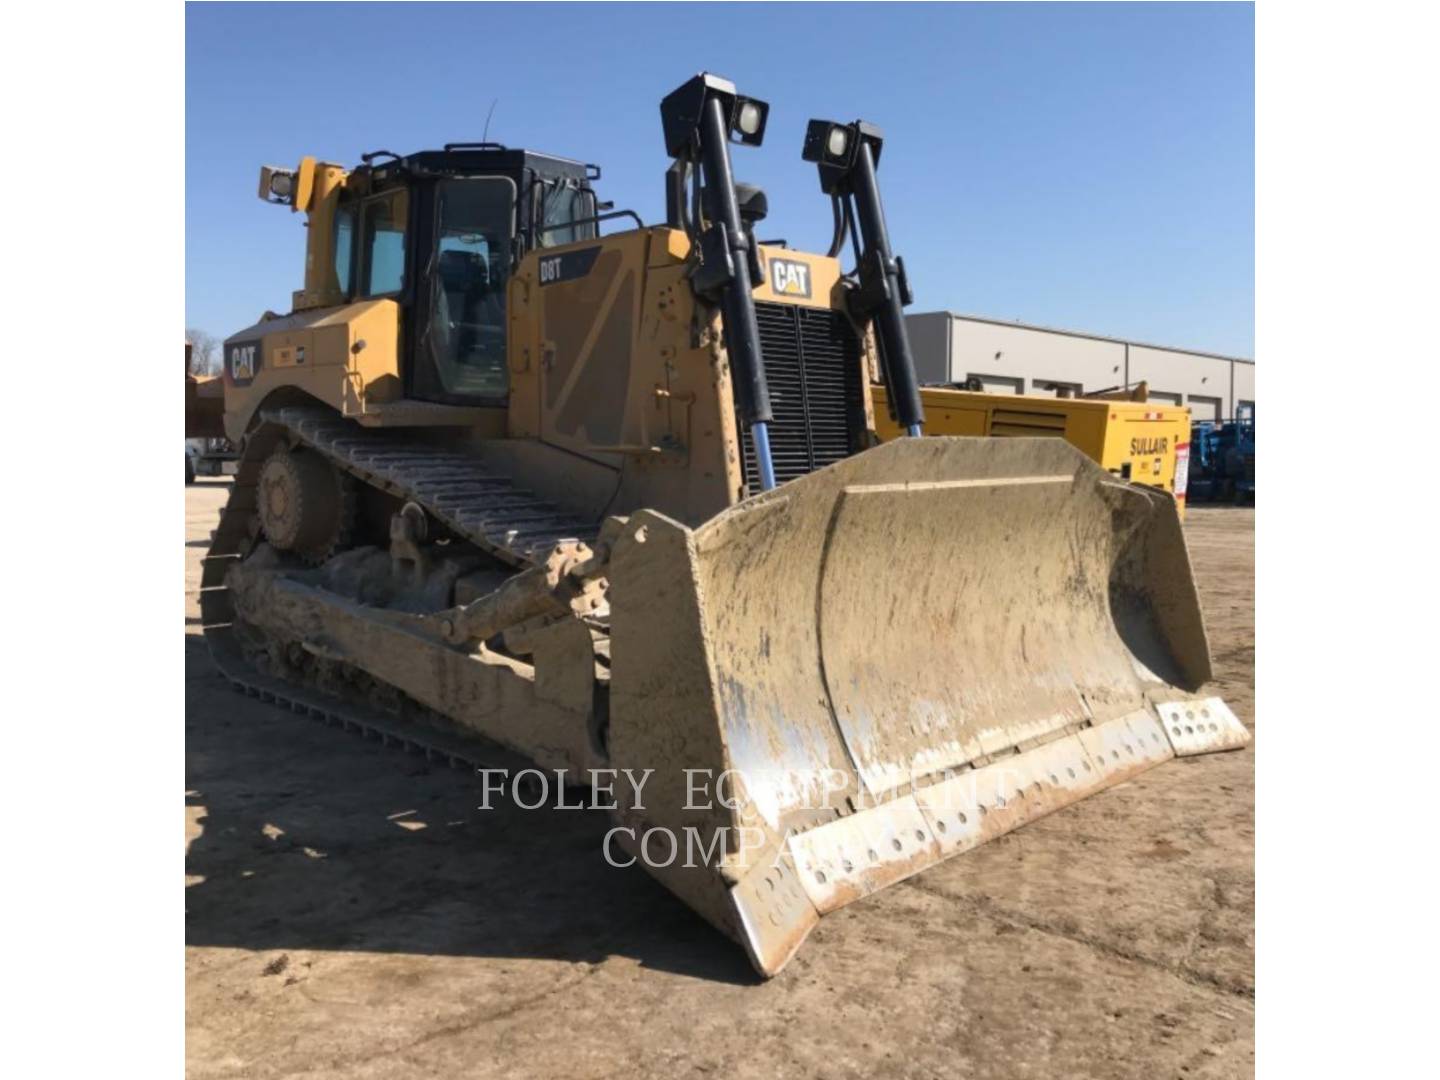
(300, 836)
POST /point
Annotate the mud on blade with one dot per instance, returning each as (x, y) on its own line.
(894, 659)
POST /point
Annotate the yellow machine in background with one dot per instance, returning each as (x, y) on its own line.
(1145, 442)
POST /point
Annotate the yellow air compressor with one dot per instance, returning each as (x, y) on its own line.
(1146, 442)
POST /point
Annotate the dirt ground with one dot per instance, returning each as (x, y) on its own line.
(350, 913)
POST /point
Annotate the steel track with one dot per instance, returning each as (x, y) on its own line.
(489, 510)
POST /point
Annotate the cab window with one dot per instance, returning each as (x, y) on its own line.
(561, 205)
(475, 224)
(383, 226)
(344, 249)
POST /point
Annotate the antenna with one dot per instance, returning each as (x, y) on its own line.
(486, 134)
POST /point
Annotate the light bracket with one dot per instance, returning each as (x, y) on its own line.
(682, 108)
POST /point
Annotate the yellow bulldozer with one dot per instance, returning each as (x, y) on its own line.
(616, 504)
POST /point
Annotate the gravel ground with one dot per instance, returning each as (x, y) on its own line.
(350, 913)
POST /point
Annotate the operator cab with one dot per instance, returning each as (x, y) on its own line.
(440, 232)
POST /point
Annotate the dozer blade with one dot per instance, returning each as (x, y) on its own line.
(890, 661)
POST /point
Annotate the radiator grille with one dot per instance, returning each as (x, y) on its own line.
(813, 368)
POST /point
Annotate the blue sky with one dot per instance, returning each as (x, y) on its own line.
(1088, 166)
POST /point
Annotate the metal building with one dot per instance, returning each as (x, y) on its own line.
(1015, 358)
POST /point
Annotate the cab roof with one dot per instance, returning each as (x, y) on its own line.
(469, 158)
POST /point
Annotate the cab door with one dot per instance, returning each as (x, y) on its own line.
(466, 229)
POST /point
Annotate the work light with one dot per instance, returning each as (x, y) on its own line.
(744, 117)
(748, 124)
(834, 147)
(829, 143)
(278, 185)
